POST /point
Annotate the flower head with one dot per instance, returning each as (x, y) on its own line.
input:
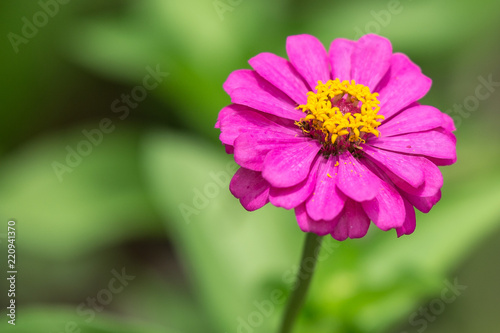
(338, 136)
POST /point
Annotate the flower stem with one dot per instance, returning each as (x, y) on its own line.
(304, 276)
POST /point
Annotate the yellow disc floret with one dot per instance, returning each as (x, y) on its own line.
(341, 111)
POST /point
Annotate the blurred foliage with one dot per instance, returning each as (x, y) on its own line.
(202, 263)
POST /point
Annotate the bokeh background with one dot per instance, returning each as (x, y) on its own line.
(148, 197)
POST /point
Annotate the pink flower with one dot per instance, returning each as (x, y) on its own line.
(337, 135)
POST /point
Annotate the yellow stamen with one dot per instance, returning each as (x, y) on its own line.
(324, 115)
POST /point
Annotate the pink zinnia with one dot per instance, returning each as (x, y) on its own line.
(338, 136)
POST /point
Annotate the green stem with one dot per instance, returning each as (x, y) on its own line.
(304, 276)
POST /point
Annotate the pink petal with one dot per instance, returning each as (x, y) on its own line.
(251, 149)
(355, 180)
(309, 58)
(352, 223)
(386, 210)
(423, 204)
(248, 88)
(340, 58)
(442, 161)
(433, 180)
(238, 119)
(289, 165)
(326, 202)
(229, 149)
(228, 110)
(406, 167)
(445, 161)
(282, 75)
(370, 60)
(307, 224)
(432, 143)
(416, 119)
(250, 188)
(410, 223)
(403, 85)
(448, 123)
(291, 197)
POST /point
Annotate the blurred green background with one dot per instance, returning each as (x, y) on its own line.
(101, 184)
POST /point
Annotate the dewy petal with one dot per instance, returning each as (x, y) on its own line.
(307, 224)
(309, 58)
(386, 210)
(409, 225)
(355, 180)
(288, 166)
(370, 60)
(340, 58)
(291, 197)
(238, 119)
(406, 167)
(281, 73)
(403, 85)
(248, 88)
(416, 119)
(353, 222)
(251, 149)
(423, 204)
(327, 201)
(432, 143)
(250, 188)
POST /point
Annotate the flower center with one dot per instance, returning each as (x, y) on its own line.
(340, 115)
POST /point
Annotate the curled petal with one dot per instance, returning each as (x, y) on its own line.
(307, 224)
(423, 204)
(409, 225)
(352, 222)
(229, 149)
(448, 123)
(250, 188)
(386, 210)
